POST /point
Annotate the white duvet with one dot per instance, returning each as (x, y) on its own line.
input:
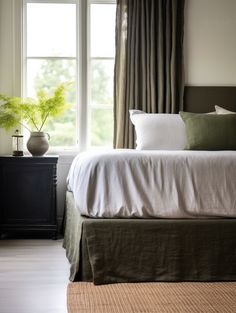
(163, 184)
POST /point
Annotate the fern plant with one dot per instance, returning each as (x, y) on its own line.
(32, 113)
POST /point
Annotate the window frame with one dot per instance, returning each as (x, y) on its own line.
(83, 64)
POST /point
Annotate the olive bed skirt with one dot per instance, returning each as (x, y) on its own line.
(143, 250)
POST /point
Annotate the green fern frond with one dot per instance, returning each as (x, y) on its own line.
(35, 112)
(8, 120)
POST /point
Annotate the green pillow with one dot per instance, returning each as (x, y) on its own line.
(210, 132)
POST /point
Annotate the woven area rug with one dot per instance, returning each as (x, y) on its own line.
(152, 297)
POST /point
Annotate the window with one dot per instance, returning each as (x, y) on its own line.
(73, 41)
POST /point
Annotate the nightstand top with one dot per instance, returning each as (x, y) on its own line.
(29, 158)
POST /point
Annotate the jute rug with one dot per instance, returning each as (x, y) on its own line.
(152, 297)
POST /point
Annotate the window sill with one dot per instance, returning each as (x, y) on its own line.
(66, 155)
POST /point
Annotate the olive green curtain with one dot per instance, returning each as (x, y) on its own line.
(148, 63)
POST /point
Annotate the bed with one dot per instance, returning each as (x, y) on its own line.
(190, 244)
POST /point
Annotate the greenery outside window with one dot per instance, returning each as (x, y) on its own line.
(73, 41)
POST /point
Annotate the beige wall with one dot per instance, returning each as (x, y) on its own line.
(5, 63)
(210, 42)
(10, 55)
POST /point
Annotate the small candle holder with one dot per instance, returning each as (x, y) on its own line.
(17, 144)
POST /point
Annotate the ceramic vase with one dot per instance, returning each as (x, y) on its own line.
(38, 143)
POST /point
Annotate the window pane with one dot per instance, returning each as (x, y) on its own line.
(62, 129)
(51, 29)
(47, 74)
(103, 30)
(102, 72)
(101, 127)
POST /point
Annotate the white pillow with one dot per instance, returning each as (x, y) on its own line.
(220, 110)
(158, 131)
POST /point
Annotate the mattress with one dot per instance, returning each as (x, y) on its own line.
(154, 184)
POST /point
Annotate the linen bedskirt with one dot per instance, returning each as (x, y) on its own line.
(138, 250)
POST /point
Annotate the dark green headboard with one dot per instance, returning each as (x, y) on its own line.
(203, 99)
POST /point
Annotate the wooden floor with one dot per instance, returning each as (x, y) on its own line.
(33, 276)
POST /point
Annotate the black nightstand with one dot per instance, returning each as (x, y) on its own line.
(28, 195)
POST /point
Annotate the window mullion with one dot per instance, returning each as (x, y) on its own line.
(50, 58)
(82, 117)
(102, 58)
(53, 1)
(24, 50)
